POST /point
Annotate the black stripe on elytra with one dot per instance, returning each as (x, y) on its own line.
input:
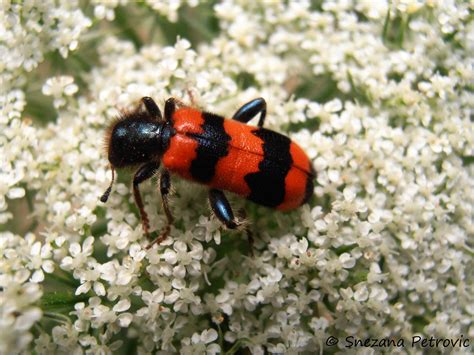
(267, 186)
(309, 189)
(212, 145)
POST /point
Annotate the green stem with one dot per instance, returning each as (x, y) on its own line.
(61, 318)
(221, 336)
(64, 280)
(60, 299)
(234, 347)
(405, 20)
(386, 23)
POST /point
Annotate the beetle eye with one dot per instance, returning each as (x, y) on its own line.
(106, 194)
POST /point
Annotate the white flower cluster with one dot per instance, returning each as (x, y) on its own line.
(378, 95)
(30, 29)
(22, 261)
(105, 9)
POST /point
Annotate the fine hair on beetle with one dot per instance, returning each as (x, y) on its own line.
(125, 158)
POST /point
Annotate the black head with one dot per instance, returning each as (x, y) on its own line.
(138, 136)
(134, 139)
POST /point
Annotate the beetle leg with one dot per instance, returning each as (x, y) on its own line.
(145, 172)
(247, 229)
(221, 207)
(170, 107)
(152, 107)
(192, 98)
(165, 186)
(250, 110)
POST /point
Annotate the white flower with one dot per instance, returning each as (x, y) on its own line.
(201, 343)
(17, 306)
(212, 229)
(347, 261)
(66, 339)
(59, 87)
(89, 278)
(184, 260)
(79, 255)
(379, 97)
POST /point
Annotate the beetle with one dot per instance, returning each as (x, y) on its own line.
(261, 165)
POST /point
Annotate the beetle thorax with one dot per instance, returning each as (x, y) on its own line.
(134, 142)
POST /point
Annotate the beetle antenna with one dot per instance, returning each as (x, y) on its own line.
(106, 194)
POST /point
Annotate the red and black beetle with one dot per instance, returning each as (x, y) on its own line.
(259, 164)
